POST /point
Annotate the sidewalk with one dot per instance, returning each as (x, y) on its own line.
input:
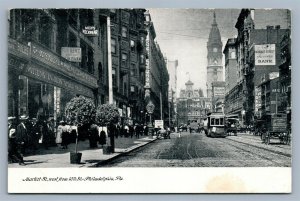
(55, 157)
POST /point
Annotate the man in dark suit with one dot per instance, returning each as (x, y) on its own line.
(22, 134)
(14, 147)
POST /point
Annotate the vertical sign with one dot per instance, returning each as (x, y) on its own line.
(147, 62)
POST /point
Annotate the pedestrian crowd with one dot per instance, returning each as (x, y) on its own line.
(29, 135)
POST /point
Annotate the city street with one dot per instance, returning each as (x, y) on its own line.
(197, 150)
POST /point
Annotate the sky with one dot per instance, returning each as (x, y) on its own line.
(182, 34)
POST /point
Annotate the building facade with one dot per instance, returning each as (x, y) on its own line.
(128, 35)
(253, 45)
(218, 96)
(172, 70)
(192, 106)
(57, 54)
(214, 57)
(156, 75)
(41, 79)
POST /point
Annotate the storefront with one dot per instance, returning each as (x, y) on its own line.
(40, 83)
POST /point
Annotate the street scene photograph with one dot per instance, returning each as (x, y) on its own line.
(149, 87)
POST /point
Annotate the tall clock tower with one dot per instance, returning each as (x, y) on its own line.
(214, 57)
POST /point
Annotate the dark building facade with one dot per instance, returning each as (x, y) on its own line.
(156, 75)
(45, 72)
(214, 57)
(252, 46)
(128, 35)
(40, 80)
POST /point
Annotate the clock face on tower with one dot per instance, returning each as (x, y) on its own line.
(215, 49)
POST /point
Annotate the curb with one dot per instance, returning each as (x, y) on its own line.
(119, 155)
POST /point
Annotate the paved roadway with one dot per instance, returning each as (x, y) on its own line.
(197, 150)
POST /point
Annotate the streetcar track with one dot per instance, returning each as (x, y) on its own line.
(261, 156)
(273, 151)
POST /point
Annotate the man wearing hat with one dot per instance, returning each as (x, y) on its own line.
(22, 134)
(14, 150)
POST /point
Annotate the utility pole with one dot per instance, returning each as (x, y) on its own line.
(160, 98)
(110, 81)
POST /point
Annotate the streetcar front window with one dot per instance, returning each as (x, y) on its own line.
(217, 121)
(221, 121)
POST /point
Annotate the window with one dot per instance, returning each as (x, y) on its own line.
(133, 70)
(232, 55)
(114, 78)
(132, 45)
(45, 31)
(113, 46)
(142, 59)
(124, 57)
(124, 32)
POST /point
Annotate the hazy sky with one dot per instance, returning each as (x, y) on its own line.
(183, 34)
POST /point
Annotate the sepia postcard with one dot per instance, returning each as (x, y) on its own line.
(149, 100)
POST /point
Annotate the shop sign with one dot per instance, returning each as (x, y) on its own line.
(56, 80)
(159, 123)
(273, 75)
(219, 91)
(90, 31)
(147, 63)
(265, 55)
(71, 53)
(17, 48)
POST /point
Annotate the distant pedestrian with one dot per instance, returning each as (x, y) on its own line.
(131, 131)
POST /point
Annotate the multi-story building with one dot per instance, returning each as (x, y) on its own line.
(285, 76)
(172, 70)
(254, 44)
(56, 54)
(192, 106)
(218, 96)
(51, 60)
(156, 74)
(269, 93)
(128, 35)
(214, 57)
(232, 90)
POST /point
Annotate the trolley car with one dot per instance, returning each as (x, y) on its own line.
(215, 126)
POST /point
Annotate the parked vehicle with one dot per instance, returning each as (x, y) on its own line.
(275, 127)
(215, 126)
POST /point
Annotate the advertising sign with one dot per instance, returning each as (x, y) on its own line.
(90, 31)
(71, 53)
(150, 107)
(159, 123)
(219, 91)
(265, 55)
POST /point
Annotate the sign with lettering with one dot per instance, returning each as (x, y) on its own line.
(54, 79)
(219, 91)
(147, 63)
(90, 31)
(265, 55)
(18, 49)
(159, 123)
(71, 53)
